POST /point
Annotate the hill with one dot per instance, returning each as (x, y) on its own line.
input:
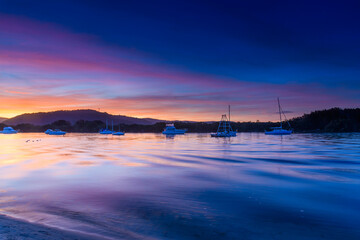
(2, 119)
(44, 118)
(330, 120)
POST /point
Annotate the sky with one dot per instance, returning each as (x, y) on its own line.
(179, 60)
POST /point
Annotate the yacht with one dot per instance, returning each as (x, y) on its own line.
(119, 133)
(280, 130)
(106, 130)
(48, 131)
(224, 129)
(8, 130)
(55, 132)
(171, 130)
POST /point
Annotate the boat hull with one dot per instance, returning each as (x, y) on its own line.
(118, 133)
(283, 132)
(57, 133)
(106, 132)
(174, 132)
(177, 132)
(223, 134)
(10, 132)
(48, 131)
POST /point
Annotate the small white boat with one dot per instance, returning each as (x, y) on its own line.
(171, 130)
(48, 131)
(106, 130)
(8, 130)
(224, 134)
(118, 133)
(224, 129)
(280, 130)
(55, 132)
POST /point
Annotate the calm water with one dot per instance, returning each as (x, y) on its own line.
(147, 186)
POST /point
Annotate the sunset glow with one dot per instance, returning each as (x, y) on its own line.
(48, 63)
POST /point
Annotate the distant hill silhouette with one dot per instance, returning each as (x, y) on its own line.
(43, 118)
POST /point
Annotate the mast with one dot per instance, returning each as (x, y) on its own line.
(229, 113)
(112, 125)
(279, 112)
(106, 124)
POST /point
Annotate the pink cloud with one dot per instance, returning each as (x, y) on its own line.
(41, 49)
(50, 48)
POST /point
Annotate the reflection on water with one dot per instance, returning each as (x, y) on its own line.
(148, 186)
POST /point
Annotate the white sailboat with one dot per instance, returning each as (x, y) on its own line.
(280, 130)
(119, 133)
(106, 130)
(224, 129)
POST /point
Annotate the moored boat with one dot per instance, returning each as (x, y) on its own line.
(48, 131)
(118, 133)
(106, 130)
(224, 128)
(8, 130)
(55, 132)
(171, 130)
(280, 130)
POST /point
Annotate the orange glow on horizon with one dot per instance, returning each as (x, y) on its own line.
(19, 104)
(127, 107)
(181, 116)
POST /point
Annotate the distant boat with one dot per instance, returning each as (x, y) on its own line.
(55, 132)
(48, 131)
(280, 130)
(224, 129)
(171, 130)
(8, 130)
(119, 133)
(106, 130)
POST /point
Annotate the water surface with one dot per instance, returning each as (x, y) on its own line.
(148, 186)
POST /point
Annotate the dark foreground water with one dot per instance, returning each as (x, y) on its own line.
(147, 186)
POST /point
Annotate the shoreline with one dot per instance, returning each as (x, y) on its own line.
(305, 132)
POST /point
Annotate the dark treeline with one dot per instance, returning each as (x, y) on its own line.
(332, 120)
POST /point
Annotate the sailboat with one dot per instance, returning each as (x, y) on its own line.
(106, 130)
(54, 132)
(119, 133)
(224, 129)
(280, 130)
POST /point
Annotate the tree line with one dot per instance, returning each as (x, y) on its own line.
(331, 120)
